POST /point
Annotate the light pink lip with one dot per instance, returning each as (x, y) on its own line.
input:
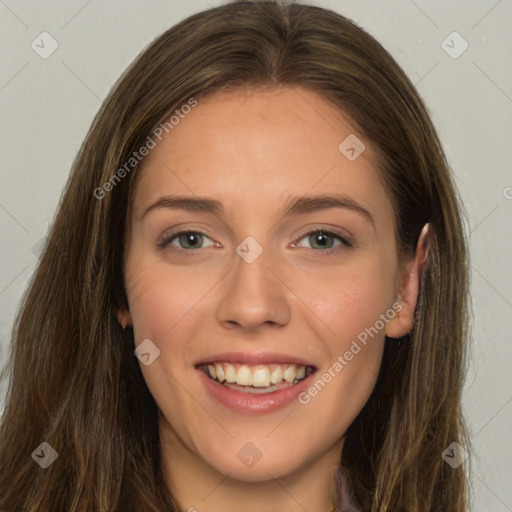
(254, 358)
(253, 404)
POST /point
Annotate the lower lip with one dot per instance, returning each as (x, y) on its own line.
(245, 403)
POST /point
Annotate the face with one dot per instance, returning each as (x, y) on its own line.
(251, 280)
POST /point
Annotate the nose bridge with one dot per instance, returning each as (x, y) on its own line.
(250, 267)
(253, 295)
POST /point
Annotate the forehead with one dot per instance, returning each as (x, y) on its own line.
(251, 144)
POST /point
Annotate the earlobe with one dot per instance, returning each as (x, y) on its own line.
(407, 296)
(124, 318)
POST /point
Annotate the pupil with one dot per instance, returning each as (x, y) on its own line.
(321, 239)
(189, 239)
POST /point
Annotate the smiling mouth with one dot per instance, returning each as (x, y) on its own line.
(259, 378)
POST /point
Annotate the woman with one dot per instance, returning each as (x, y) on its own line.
(306, 350)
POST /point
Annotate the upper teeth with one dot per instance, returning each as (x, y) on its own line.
(260, 375)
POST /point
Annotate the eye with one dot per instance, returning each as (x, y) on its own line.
(323, 241)
(185, 240)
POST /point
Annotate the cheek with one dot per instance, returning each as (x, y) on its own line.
(352, 309)
(167, 307)
(159, 299)
(162, 308)
(352, 301)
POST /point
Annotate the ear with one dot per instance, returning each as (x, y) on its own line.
(124, 318)
(402, 323)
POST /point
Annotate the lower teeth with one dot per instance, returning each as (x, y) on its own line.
(253, 390)
(250, 389)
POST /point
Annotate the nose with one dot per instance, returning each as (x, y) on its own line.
(254, 296)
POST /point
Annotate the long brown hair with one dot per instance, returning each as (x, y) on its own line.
(74, 381)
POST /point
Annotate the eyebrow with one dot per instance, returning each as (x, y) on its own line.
(293, 206)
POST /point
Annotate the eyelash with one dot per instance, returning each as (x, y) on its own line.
(167, 239)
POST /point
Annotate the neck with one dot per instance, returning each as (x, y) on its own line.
(199, 487)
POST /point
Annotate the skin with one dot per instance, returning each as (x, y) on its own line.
(252, 150)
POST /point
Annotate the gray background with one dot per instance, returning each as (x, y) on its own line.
(48, 104)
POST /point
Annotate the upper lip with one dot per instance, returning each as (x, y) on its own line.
(254, 358)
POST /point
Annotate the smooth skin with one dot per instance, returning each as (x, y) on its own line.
(253, 150)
